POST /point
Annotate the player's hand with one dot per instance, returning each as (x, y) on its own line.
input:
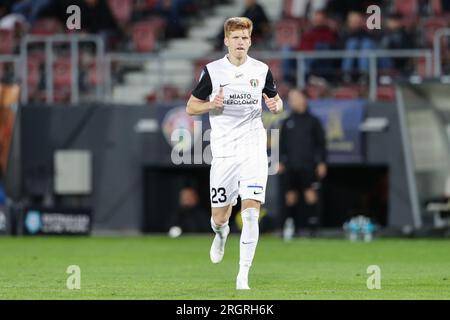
(217, 103)
(270, 103)
(281, 168)
(321, 170)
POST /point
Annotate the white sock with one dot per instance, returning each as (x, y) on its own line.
(218, 229)
(249, 240)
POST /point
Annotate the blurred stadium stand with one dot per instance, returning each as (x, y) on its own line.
(170, 59)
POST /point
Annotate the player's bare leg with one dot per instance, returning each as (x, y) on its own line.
(311, 199)
(249, 240)
(219, 224)
(291, 202)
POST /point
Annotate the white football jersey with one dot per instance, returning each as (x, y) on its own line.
(242, 88)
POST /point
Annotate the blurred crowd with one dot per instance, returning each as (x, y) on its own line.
(302, 26)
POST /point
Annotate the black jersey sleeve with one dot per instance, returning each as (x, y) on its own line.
(270, 88)
(204, 87)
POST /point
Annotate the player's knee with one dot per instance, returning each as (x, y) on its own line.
(220, 220)
(250, 203)
(220, 215)
(310, 196)
(291, 198)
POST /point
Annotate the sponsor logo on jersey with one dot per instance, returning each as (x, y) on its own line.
(254, 83)
(238, 75)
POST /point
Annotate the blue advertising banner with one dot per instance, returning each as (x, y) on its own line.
(341, 120)
(57, 221)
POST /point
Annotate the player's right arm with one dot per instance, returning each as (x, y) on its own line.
(199, 101)
(196, 106)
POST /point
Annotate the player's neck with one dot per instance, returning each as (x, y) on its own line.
(235, 61)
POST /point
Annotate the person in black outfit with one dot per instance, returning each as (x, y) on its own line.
(302, 160)
(190, 216)
(395, 37)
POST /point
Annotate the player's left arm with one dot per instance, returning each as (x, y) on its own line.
(270, 95)
(275, 104)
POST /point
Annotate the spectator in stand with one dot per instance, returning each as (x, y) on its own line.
(5, 7)
(261, 24)
(172, 11)
(319, 37)
(445, 6)
(395, 37)
(97, 18)
(339, 9)
(31, 9)
(356, 37)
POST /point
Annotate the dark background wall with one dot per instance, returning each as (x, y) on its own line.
(131, 167)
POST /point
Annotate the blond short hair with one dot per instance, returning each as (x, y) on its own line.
(237, 23)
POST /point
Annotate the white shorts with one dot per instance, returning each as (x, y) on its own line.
(244, 174)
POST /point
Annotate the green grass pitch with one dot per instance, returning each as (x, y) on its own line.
(157, 267)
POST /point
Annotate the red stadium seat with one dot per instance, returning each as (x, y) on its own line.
(92, 77)
(7, 41)
(33, 78)
(386, 93)
(170, 93)
(430, 26)
(346, 93)
(436, 7)
(121, 9)
(283, 88)
(275, 68)
(62, 73)
(33, 73)
(46, 26)
(144, 5)
(198, 68)
(421, 67)
(62, 95)
(287, 33)
(406, 7)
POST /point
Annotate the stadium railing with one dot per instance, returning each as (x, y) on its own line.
(300, 57)
(437, 49)
(73, 41)
(106, 62)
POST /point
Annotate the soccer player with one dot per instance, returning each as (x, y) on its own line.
(231, 90)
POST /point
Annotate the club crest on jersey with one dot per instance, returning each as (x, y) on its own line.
(254, 83)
